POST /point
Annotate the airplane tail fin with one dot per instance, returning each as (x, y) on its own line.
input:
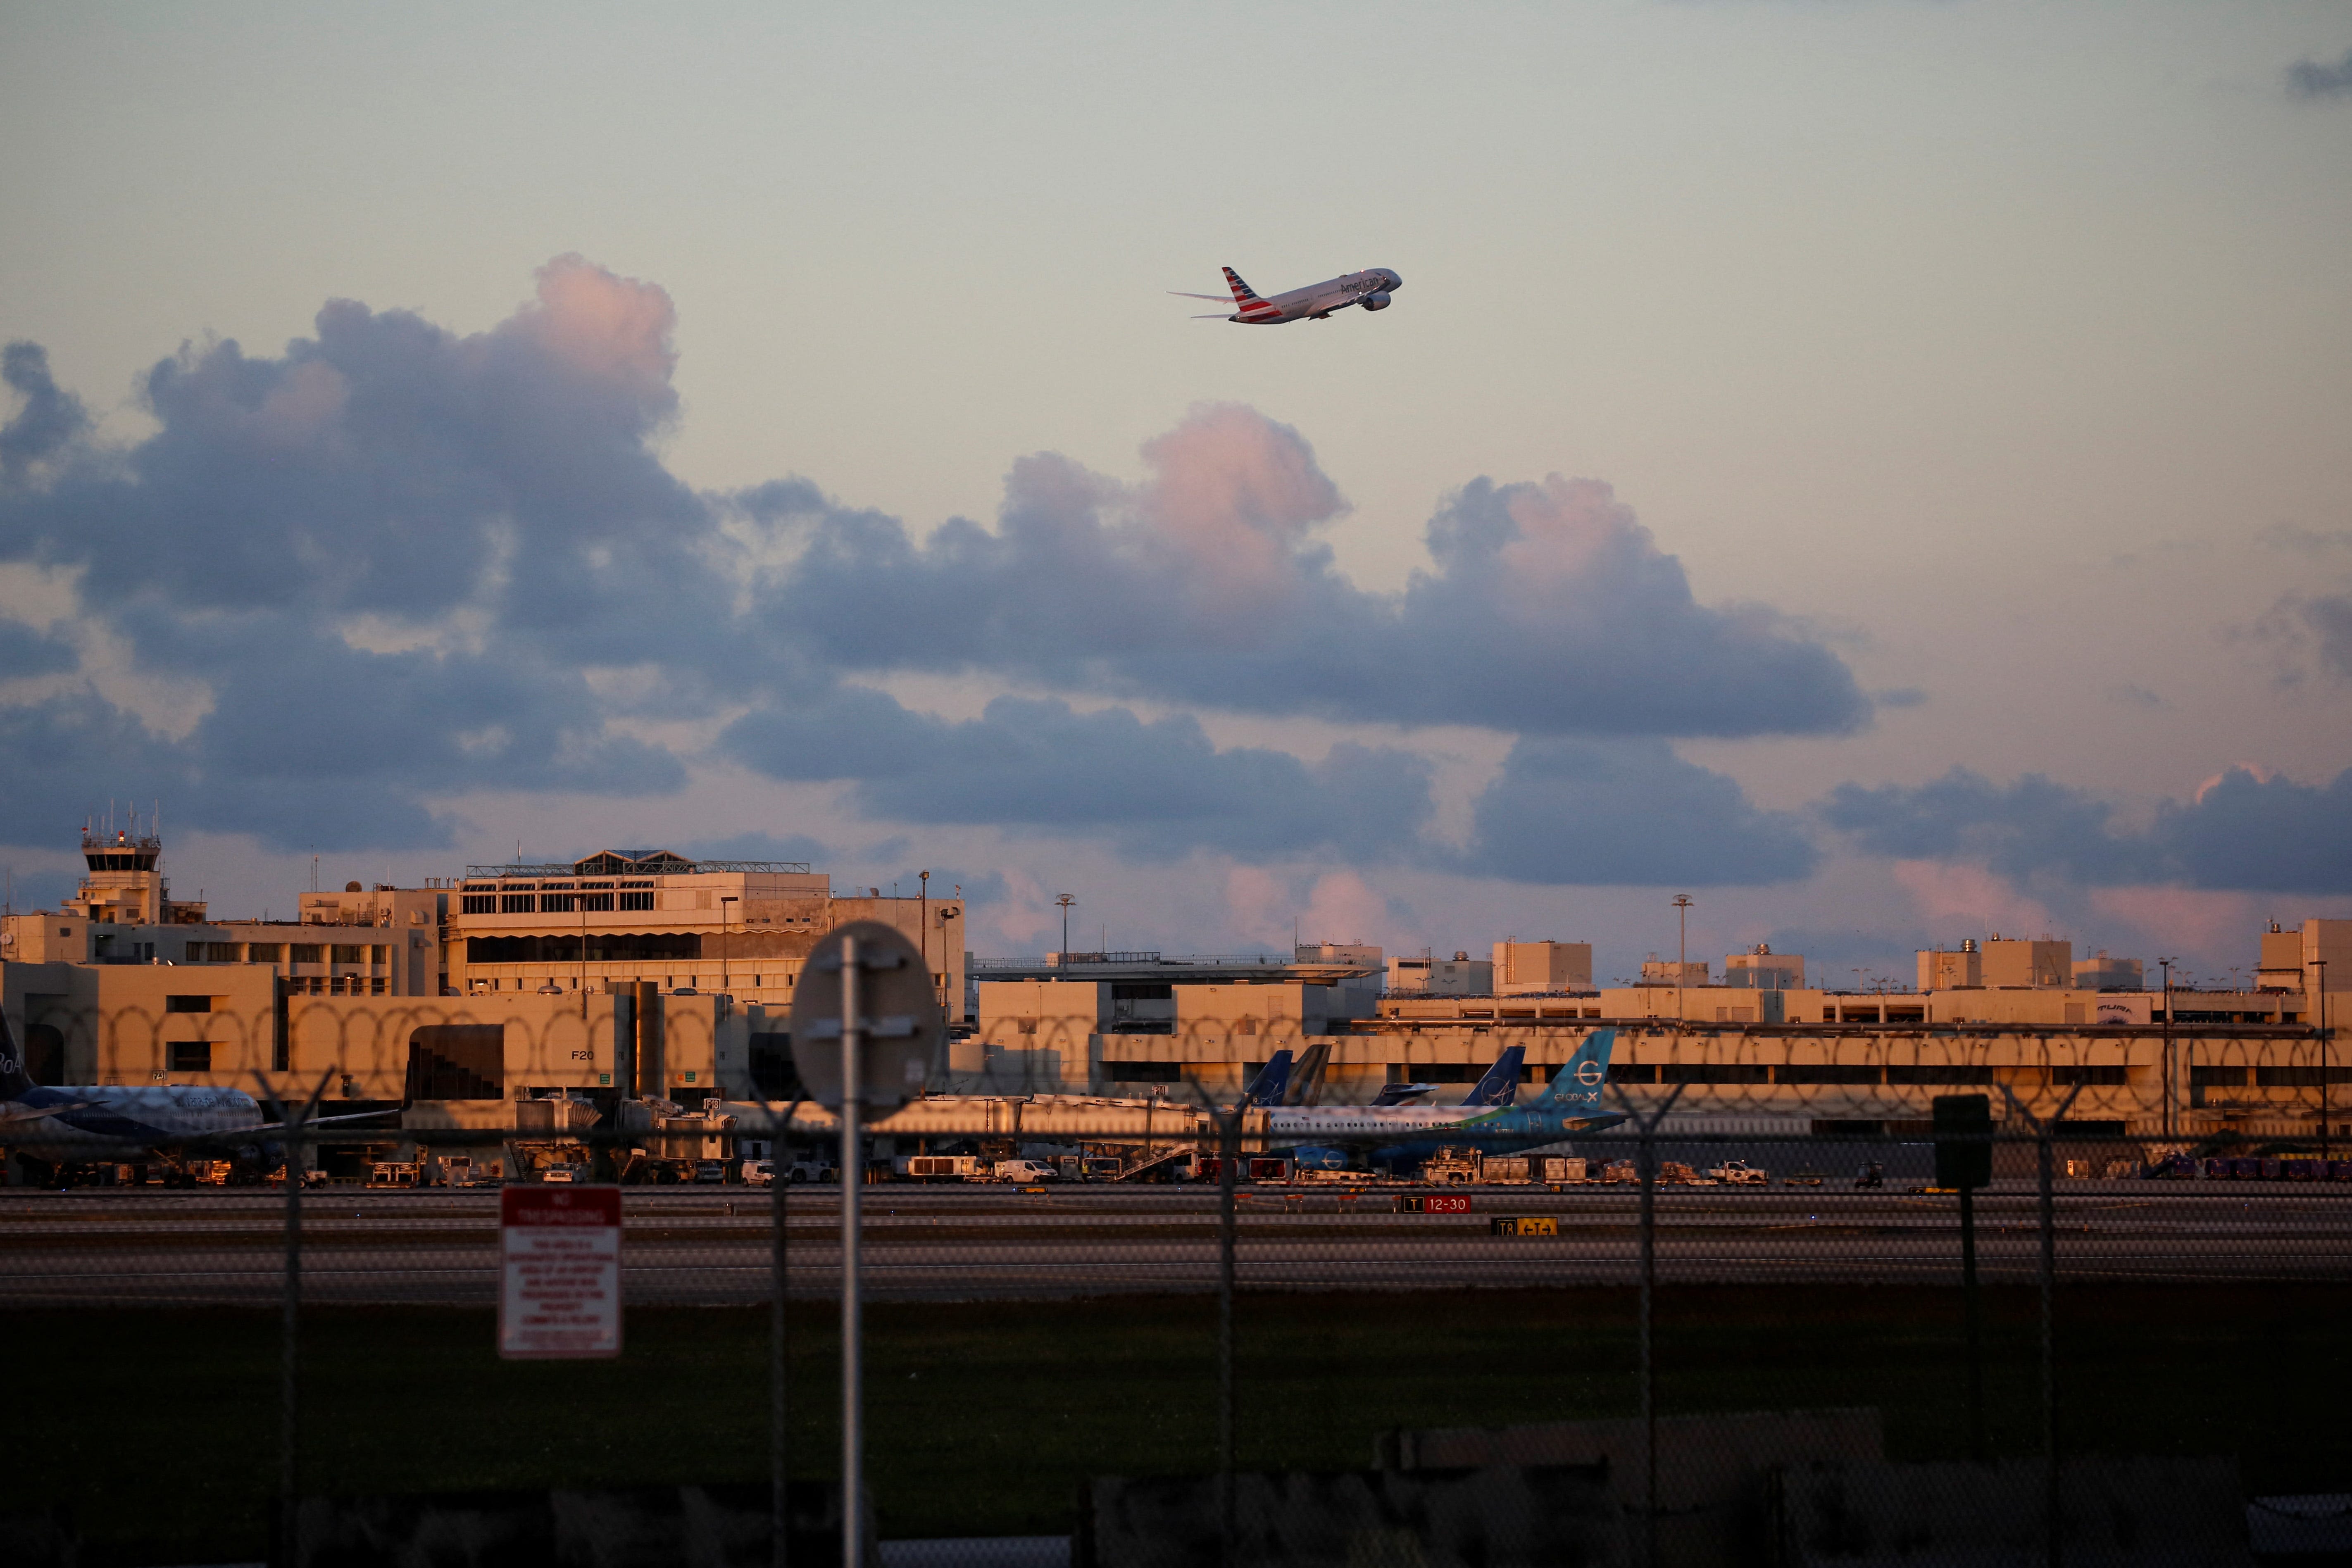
(1272, 1079)
(1404, 1093)
(1243, 295)
(1583, 1076)
(16, 1083)
(1501, 1084)
(1306, 1087)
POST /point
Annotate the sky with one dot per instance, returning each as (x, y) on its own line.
(1882, 467)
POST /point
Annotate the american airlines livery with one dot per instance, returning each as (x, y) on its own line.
(1370, 289)
(79, 1123)
(1404, 1136)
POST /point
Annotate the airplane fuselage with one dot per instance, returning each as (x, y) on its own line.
(1370, 289)
(95, 1121)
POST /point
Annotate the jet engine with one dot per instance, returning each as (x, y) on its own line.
(1376, 301)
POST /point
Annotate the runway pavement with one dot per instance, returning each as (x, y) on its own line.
(711, 1245)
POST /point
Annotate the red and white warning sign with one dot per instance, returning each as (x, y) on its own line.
(561, 1249)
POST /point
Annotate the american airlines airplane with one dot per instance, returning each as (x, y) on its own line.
(1314, 302)
(78, 1122)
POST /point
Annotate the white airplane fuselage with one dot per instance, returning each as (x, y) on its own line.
(1369, 288)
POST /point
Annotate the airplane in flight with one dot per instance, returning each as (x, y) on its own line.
(1403, 1137)
(1370, 289)
(77, 1123)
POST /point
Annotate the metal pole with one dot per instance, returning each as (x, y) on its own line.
(779, 1504)
(289, 1359)
(2172, 1074)
(1973, 1310)
(853, 1433)
(2049, 1346)
(1649, 1357)
(2321, 964)
(1229, 1154)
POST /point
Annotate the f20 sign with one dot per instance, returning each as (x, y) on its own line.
(561, 1254)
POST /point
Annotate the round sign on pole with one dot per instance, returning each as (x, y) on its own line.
(899, 1021)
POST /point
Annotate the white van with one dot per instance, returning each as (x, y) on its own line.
(1025, 1171)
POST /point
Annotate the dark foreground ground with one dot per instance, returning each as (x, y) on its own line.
(159, 1428)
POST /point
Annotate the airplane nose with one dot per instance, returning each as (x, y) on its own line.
(1395, 282)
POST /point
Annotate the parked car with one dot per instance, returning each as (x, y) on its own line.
(1871, 1175)
(711, 1172)
(1741, 1174)
(560, 1173)
(759, 1172)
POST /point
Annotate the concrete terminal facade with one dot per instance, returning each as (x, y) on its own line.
(739, 928)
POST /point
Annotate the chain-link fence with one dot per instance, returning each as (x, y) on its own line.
(1214, 1343)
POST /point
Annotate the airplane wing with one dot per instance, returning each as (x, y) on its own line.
(1182, 295)
(315, 1122)
(12, 1114)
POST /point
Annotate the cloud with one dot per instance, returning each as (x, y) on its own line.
(2313, 81)
(1155, 787)
(1627, 812)
(2241, 831)
(392, 565)
(1548, 608)
(24, 651)
(45, 421)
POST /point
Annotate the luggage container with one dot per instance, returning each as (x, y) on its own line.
(1511, 1170)
(945, 1168)
(1558, 1170)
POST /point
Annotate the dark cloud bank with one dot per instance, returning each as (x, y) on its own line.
(2241, 831)
(406, 565)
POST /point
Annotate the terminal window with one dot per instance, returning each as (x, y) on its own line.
(190, 1055)
(187, 1003)
(636, 900)
(481, 904)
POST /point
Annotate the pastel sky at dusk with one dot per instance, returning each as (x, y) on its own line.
(1884, 469)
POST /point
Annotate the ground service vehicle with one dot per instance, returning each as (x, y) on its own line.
(1739, 1174)
(710, 1173)
(1025, 1171)
(759, 1172)
(945, 1168)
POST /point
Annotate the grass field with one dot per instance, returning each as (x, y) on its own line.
(159, 1429)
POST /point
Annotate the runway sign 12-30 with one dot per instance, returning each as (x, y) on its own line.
(561, 1252)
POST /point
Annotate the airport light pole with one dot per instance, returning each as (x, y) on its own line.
(1065, 903)
(1682, 952)
(923, 924)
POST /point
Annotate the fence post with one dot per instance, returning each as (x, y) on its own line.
(291, 1130)
(2046, 1136)
(779, 1509)
(1229, 1151)
(1648, 1153)
(852, 1175)
(288, 1353)
(1973, 1309)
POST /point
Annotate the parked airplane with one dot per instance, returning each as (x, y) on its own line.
(1271, 1082)
(75, 1122)
(1314, 302)
(1402, 1137)
(1500, 1086)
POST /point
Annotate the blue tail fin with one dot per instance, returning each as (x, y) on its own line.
(1583, 1077)
(1272, 1079)
(1501, 1084)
